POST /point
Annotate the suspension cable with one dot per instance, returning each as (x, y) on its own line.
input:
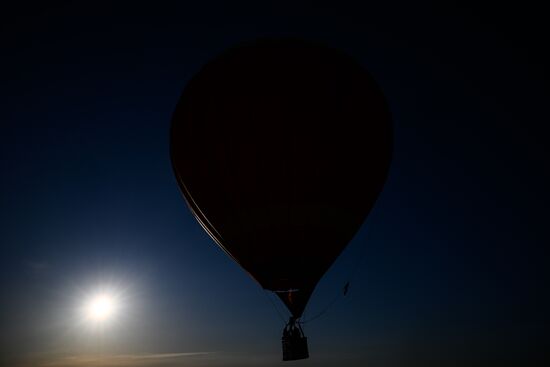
(275, 307)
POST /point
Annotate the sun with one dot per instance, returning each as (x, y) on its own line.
(100, 308)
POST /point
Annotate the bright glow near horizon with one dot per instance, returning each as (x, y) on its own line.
(100, 308)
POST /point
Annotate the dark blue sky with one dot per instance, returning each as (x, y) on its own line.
(451, 267)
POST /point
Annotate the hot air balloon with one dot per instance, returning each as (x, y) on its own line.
(280, 148)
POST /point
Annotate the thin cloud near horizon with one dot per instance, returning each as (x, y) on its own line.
(119, 360)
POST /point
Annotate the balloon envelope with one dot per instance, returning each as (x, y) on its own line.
(280, 148)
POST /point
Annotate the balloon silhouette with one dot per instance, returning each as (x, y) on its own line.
(280, 148)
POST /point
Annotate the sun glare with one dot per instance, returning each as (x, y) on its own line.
(101, 308)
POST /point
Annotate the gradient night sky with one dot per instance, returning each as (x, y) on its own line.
(455, 262)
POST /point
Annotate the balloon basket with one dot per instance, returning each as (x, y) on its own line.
(294, 343)
(294, 349)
